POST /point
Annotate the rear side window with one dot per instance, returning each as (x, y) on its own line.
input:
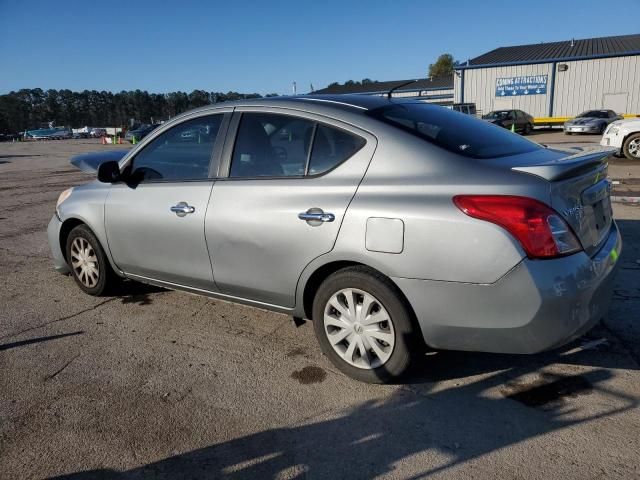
(455, 132)
(275, 145)
(331, 147)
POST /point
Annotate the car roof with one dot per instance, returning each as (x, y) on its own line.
(345, 102)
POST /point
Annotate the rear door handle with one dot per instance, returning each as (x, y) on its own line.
(316, 215)
(182, 208)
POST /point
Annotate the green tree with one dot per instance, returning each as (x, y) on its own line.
(444, 66)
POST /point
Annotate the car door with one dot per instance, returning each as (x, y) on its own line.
(290, 180)
(155, 218)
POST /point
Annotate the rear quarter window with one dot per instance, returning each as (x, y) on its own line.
(453, 131)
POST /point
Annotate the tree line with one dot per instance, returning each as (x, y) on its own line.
(31, 108)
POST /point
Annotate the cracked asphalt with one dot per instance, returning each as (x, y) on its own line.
(152, 383)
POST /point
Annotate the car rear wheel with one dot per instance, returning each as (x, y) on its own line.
(88, 263)
(631, 147)
(363, 325)
(527, 129)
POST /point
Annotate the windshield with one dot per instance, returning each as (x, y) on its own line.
(453, 131)
(500, 114)
(595, 114)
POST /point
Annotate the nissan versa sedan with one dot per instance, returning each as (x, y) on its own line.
(591, 121)
(393, 225)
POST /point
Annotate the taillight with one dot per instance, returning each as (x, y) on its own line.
(539, 229)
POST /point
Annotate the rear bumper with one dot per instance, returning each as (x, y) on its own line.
(540, 304)
(53, 233)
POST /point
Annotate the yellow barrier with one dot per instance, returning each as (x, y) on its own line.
(561, 120)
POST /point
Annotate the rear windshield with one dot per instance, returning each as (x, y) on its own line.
(453, 131)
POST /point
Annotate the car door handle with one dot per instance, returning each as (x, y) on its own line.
(316, 215)
(182, 208)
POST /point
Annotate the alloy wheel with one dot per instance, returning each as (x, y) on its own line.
(84, 262)
(359, 328)
(634, 148)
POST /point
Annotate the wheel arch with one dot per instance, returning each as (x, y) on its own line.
(68, 225)
(322, 272)
(624, 140)
(72, 222)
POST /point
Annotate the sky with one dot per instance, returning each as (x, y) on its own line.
(259, 46)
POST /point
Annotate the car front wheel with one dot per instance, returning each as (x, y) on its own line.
(87, 261)
(631, 147)
(363, 325)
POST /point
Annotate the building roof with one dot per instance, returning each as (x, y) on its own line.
(433, 83)
(565, 50)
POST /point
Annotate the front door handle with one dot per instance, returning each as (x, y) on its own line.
(316, 215)
(182, 208)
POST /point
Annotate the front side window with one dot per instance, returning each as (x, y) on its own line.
(274, 145)
(455, 132)
(181, 153)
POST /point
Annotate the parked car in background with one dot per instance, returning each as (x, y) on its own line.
(391, 224)
(140, 132)
(591, 121)
(9, 137)
(521, 121)
(624, 135)
(468, 108)
(97, 132)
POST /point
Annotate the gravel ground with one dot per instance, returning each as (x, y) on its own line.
(152, 383)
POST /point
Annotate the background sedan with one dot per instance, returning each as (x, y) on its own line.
(591, 121)
(517, 120)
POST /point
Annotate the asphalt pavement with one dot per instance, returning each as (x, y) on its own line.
(151, 383)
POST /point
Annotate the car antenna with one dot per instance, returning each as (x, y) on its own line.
(399, 86)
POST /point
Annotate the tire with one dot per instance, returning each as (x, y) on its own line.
(631, 147)
(527, 129)
(568, 133)
(394, 341)
(96, 276)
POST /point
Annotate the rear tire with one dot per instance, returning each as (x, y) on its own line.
(88, 263)
(527, 129)
(631, 147)
(370, 335)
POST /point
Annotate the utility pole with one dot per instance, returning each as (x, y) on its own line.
(294, 88)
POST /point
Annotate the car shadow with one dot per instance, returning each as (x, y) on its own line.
(131, 292)
(455, 424)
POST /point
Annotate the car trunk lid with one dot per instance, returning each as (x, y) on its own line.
(579, 192)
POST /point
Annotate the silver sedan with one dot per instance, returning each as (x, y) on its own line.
(393, 225)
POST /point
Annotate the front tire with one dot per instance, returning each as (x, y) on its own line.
(88, 263)
(527, 129)
(363, 325)
(631, 147)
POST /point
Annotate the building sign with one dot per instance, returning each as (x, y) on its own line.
(524, 85)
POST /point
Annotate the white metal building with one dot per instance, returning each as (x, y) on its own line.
(559, 79)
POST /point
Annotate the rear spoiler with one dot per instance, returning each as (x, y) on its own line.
(570, 166)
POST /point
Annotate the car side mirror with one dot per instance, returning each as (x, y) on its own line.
(109, 172)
